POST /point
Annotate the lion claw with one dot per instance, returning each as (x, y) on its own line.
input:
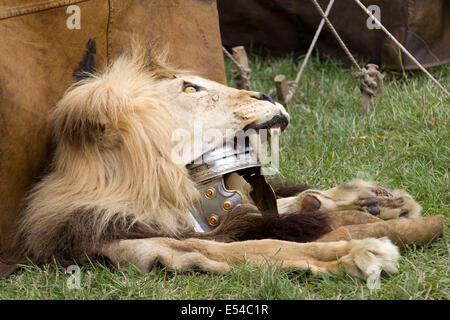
(373, 210)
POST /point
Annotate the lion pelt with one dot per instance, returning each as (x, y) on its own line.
(112, 175)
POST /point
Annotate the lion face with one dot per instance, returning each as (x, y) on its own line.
(201, 106)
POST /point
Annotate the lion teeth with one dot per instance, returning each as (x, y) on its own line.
(255, 142)
(260, 149)
(274, 134)
(266, 154)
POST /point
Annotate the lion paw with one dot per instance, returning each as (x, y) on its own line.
(388, 204)
(368, 257)
(364, 196)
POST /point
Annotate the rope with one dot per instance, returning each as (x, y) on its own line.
(240, 66)
(336, 35)
(402, 48)
(370, 84)
(370, 79)
(313, 43)
(293, 85)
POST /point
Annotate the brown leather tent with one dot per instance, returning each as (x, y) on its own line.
(280, 26)
(40, 47)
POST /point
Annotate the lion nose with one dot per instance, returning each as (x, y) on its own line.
(264, 97)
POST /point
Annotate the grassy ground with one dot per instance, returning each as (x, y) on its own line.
(403, 142)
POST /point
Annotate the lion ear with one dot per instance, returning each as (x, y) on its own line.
(152, 57)
(86, 115)
(82, 132)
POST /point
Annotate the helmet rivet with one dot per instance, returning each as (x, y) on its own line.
(227, 205)
(210, 193)
(213, 220)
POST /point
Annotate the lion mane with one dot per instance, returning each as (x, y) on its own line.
(111, 173)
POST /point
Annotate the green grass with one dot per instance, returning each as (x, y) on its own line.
(403, 142)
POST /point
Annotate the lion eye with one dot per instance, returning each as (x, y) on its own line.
(190, 89)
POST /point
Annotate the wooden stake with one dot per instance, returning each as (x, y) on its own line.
(240, 55)
(242, 74)
(282, 87)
